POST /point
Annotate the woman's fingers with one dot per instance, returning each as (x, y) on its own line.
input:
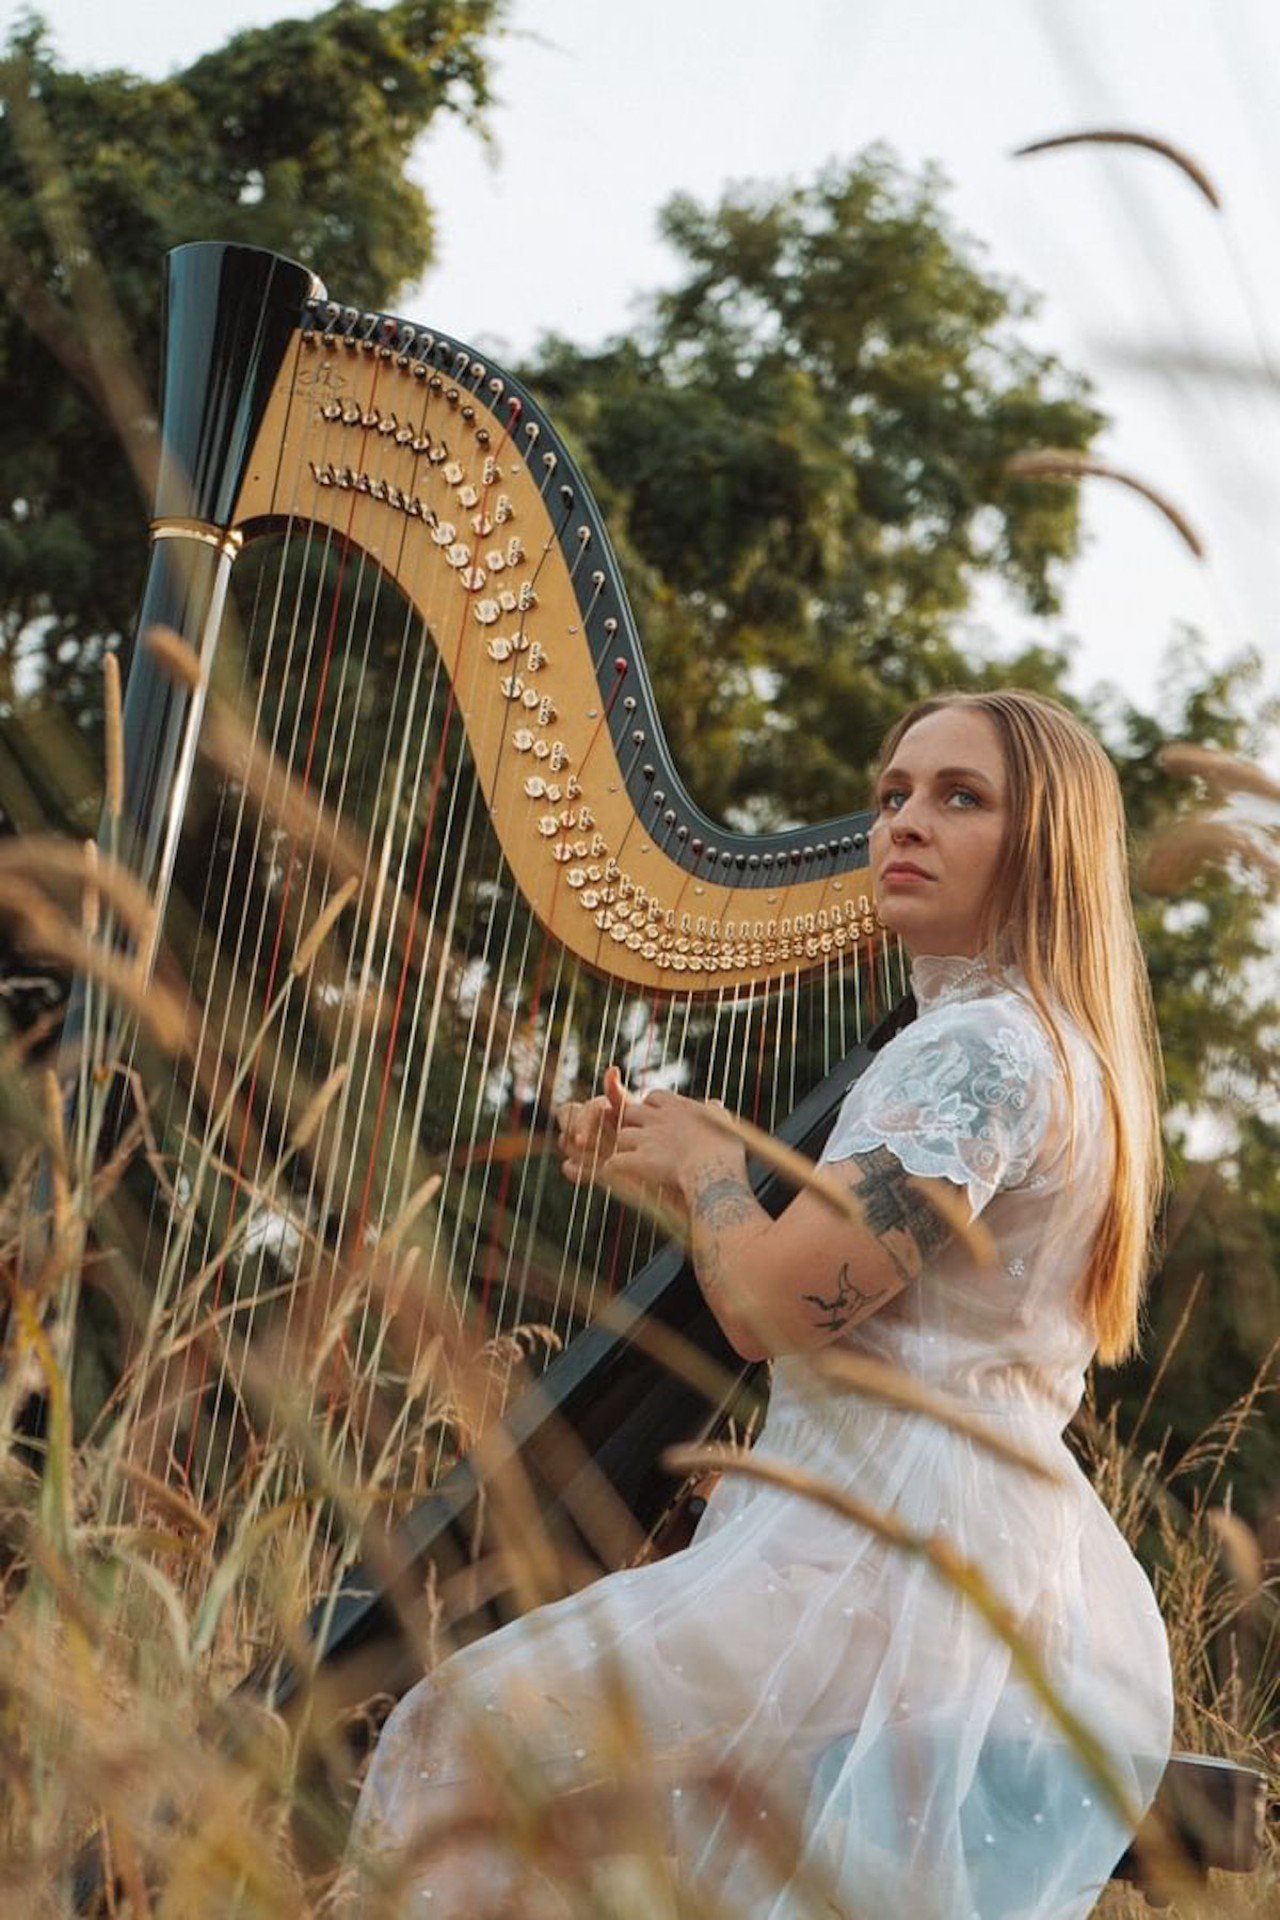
(592, 1119)
(588, 1139)
(593, 1133)
(615, 1092)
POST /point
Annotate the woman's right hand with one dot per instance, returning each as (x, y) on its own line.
(588, 1137)
(589, 1129)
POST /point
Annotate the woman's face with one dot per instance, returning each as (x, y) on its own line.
(941, 820)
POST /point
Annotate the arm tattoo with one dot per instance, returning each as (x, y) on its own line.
(724, 1200)
(892, 1203)
(849, 1303)
(905, 1222)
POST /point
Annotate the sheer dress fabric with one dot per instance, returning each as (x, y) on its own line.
(853, 1697)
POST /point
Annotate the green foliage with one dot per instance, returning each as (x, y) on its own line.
(802, 453)
(1212, 964)
(1209, 954)
(292, 137)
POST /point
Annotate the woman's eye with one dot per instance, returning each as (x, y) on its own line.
(889, 800)
(966, 796)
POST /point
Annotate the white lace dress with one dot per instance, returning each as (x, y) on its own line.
(852, 1696)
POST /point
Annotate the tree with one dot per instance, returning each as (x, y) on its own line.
(292, 137)
(1214, 1307)
(802, 449)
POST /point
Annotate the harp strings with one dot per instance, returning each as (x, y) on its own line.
(455, 1041)
(285, 672)
(165, 1398)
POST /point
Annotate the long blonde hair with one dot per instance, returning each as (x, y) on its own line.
(1063, 915)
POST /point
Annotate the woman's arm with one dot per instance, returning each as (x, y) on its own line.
(798, 1282)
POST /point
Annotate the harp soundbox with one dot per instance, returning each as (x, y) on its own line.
(432, 651)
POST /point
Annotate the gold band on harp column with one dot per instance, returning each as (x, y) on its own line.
(226, 540)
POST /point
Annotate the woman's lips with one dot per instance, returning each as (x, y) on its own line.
(905, 875)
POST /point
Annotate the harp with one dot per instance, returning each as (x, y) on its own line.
(434, 646)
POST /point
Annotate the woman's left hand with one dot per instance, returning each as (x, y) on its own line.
(666, 1140)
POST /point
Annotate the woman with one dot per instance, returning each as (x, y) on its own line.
(830, 1726)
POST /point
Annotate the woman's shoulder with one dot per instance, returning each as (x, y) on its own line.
(996, 1010)
(991, 1037)
(1000, 1023)
(968, 1092)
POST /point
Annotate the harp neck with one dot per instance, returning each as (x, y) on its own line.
(443, 470)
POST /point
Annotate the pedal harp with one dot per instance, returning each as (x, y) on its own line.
(433, 639)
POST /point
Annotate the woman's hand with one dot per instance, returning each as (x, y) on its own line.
(671, 1143)
(650, 1148)
(589, 1129)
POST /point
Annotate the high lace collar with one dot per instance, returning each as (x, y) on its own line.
(939, 978)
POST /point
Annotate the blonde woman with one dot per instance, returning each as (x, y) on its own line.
(828, 1726)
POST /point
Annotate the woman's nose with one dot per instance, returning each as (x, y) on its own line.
(905, 823)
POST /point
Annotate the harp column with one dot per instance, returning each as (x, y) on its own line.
(231, 318)
(186, 591)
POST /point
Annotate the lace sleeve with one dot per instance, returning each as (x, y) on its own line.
(964, 1094)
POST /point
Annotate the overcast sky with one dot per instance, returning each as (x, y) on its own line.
(607, 106)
